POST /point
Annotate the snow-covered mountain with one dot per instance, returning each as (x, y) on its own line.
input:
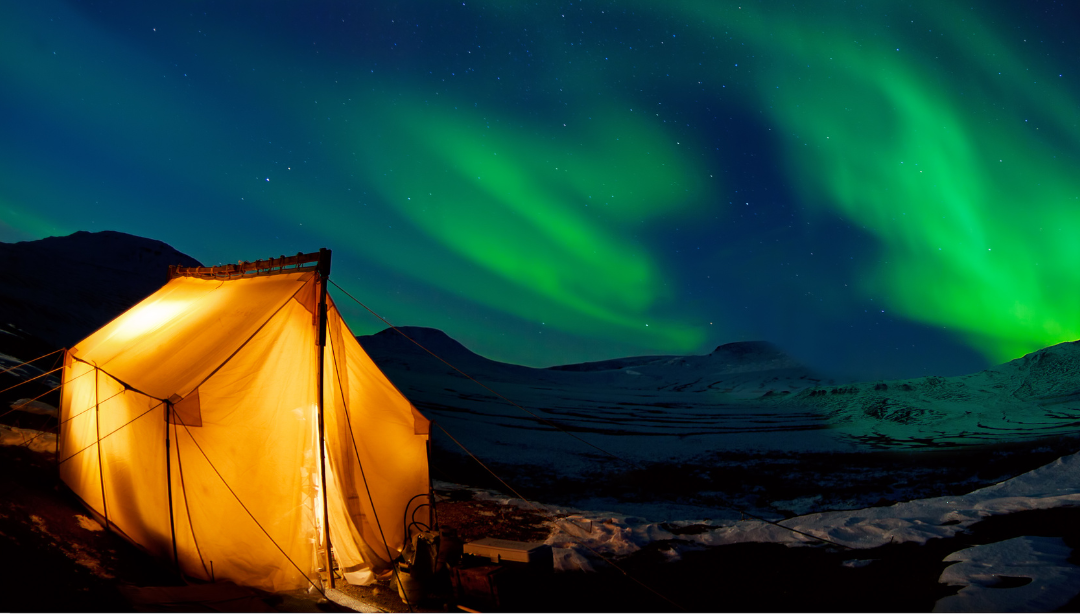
(1032, 397)
(61, 289)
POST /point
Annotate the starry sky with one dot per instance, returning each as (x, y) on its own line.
(883, 189)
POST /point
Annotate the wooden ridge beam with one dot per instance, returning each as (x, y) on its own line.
(270, 266)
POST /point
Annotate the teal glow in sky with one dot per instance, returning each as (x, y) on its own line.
(884, 190)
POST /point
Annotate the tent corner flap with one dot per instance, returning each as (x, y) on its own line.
(186, 411)
(421, 425)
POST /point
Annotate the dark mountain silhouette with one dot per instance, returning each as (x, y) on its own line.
(58, 290)
(394, 352)
(746, 368)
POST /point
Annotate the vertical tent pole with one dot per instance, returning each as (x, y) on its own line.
(432, 517)
(60, 414)
(97, 431)
(323, 275)
(168, 480)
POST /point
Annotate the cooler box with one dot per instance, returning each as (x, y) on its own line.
(533, 554)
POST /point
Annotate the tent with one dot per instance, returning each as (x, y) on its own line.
(192, 424)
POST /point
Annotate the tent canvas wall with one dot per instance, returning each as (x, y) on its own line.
(191, 425)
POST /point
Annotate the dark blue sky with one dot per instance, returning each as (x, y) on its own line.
(886, 190)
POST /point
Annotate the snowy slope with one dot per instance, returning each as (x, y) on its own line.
(741, 396)
(748, 366)
(649, 408)
(1031, 397)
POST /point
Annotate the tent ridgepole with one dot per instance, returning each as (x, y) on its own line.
(323, 276)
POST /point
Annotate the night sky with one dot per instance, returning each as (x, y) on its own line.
(883, 189)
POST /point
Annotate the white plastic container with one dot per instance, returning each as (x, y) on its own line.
(504, 550)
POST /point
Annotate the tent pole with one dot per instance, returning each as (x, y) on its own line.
(432, 516)
(59, 414)
(324, 274)
(168, 480)
(97, 432)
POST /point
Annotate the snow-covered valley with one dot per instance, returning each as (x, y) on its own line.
(744, 429)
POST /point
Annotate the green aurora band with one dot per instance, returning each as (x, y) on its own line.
(553, 218)
(967, 180)
(958, 176)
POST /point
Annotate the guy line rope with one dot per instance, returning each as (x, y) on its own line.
(633, 464)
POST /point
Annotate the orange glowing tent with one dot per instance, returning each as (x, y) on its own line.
(204, 422)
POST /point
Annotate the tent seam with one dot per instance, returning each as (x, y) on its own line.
(118, 429)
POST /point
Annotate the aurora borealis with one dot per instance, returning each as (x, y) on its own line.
(884, 189)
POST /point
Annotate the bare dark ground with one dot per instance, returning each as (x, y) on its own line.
(53, 564)
(761, 483)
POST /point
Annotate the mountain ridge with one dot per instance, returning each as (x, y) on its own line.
(61, 289)
(394, 352)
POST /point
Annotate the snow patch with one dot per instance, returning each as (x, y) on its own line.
(37, 441)
(609, 533)
(88, 523)
(569, 559)
(31, 406)
(981, 570)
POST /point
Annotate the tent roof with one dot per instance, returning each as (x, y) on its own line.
(177, 337)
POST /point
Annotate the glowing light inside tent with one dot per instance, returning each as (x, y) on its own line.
(150, 317)
(251, 350)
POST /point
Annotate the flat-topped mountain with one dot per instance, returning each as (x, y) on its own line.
(743, 355)
(756, 365)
